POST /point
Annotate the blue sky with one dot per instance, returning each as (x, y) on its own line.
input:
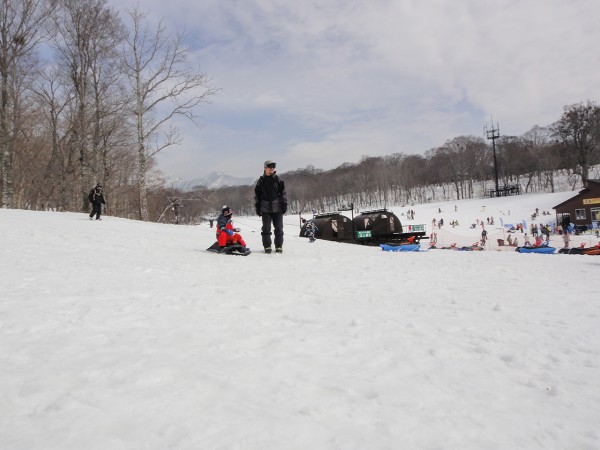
(324, 82)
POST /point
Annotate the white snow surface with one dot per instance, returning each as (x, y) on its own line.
(119, 334)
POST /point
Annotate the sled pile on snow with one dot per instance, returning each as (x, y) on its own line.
(232, 249)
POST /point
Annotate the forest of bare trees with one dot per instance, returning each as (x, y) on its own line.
(88, 96)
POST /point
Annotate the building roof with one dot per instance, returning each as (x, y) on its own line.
(582, 192)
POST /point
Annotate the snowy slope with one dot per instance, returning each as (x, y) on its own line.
(127, 335)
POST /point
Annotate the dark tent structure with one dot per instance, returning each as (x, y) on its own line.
(380, 226)
(368, 228)
(331, 227)
(379, 222)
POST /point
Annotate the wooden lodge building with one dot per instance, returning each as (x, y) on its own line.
(583, 209)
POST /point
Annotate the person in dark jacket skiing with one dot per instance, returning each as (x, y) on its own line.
(97, 200)
(270, 200)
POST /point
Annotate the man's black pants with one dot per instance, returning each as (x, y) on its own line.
(276, 219)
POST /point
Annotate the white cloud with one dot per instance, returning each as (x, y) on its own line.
(320, 78)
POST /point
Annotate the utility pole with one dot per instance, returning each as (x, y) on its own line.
(493, 134)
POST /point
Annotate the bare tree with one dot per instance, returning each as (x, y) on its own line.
(29, 140)
(108, 93)
(164, 88)
(21, 30)
(515, 161)
(545, 154)
(54, 100)
(409, 175)
(87, 33)
(579, 131)
(465, 157)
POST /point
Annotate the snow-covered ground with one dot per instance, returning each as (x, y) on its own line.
(128, 335)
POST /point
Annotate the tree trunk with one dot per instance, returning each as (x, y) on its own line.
(5, 140)
(142, 186)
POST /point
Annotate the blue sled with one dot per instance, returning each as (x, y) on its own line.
(400, 248)
(533, 249)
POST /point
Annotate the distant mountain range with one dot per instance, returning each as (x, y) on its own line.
(213, 180)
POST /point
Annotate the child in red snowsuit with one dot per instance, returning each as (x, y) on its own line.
(226, 234)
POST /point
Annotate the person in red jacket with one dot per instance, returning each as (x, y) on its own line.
(226, 234)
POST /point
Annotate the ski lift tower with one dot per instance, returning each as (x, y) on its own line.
(493, 134)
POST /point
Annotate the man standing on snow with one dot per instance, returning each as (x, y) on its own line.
(270, 200)
(97, 200)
